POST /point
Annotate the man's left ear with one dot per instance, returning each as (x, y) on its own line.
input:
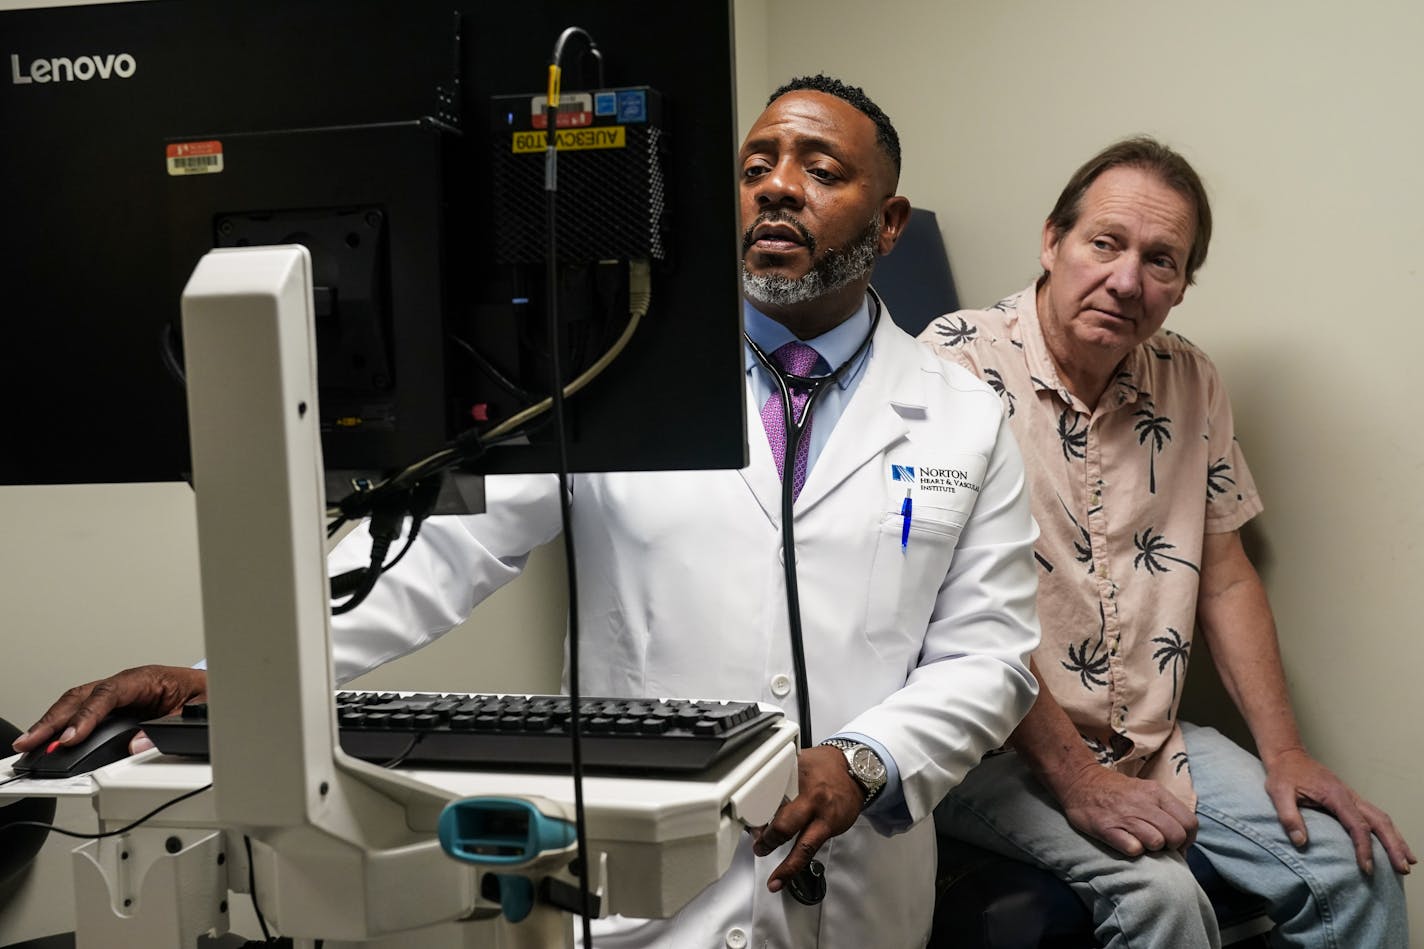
(894, 215)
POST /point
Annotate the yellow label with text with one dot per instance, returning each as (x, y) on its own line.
(571, 140)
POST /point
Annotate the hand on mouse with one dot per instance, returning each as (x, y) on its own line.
(144, 691)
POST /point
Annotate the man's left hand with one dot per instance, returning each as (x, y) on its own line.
(827, 803)
(1294, 778)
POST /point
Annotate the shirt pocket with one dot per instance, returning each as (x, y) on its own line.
(905, 578)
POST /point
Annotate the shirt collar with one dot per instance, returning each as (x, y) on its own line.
(1043, 371)
(834, 347)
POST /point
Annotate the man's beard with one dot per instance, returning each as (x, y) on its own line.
(837, 269)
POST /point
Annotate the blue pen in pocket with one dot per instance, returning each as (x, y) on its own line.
(905, 509)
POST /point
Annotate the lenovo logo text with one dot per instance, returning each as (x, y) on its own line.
(79, 69)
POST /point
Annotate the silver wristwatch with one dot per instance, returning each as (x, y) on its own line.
(864, 765)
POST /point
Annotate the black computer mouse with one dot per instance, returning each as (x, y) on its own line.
(107, 743)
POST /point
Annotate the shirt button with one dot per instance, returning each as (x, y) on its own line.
(780, 685)
(736, 939)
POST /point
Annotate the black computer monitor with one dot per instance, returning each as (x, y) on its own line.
(398, 142)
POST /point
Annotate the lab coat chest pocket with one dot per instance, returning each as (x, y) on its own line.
(927, 506)
(905, 578)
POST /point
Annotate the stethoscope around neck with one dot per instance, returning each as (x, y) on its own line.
(815, 385)
(795, 431)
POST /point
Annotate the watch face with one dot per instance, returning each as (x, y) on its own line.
(868, 766)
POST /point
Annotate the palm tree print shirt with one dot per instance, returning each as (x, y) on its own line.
(1123, 495)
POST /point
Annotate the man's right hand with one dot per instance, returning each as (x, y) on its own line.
(147, 691)
(1128, 814)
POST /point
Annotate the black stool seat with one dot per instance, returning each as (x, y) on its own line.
(987, 901)
(60, 941)
(21, 844)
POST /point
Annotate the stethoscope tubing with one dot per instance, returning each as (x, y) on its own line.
(795, 431)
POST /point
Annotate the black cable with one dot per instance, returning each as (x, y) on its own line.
(489, 369)
(170, 348)
(405, 548)
(108, 833)
(424, 495)
(415, 740)
(419, 503)
(252, 890)
(561, 445)
(18, 777)
(423, 498)
(385, 528)
(365, 579)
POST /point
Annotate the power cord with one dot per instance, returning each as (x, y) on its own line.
(108, 833)
(405, 753)
(385, 528)
(489, 369)
(252, 890)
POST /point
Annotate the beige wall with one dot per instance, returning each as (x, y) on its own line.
(1304, 119)
(98, 578)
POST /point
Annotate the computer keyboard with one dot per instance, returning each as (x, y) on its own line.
(520, 731)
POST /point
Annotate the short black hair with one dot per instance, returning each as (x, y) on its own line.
(885, 135)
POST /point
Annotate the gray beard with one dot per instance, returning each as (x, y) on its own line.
(835, 271)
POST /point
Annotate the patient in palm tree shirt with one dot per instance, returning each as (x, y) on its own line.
(1119, 553)
(1139, 488)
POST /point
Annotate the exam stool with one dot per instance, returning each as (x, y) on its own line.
(20, 845)
(987, 901)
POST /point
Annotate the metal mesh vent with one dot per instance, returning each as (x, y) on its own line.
(610, 202)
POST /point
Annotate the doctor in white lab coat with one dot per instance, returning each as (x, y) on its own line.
(916, 643)
(918, 648)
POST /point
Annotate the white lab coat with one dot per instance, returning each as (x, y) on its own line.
(681, 593)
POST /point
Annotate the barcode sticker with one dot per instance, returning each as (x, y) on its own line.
(575, 111)
(195, 158)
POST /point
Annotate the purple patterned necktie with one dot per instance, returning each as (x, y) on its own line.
(798, 359)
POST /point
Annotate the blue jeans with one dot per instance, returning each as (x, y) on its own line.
(1319, 897)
